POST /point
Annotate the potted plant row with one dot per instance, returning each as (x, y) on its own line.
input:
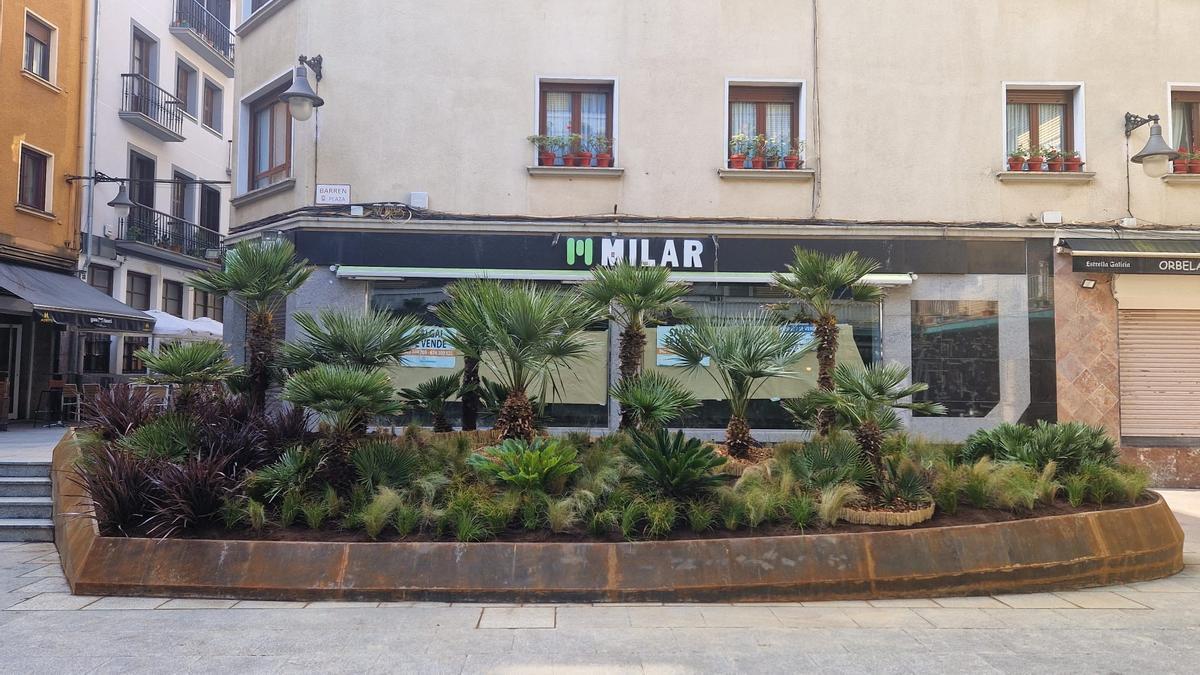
(761, 152)
(1054, 159)
(1188, 161)
(574, 149)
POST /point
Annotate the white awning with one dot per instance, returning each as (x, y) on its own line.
(572, 276)
(169, 326)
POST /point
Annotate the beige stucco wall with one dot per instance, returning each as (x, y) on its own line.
(438, 97)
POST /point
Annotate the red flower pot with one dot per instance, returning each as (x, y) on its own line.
(737, 161)
(791, 162)
(546, 159)
(568, 159)
(1014, 163)
(1194, 166)
(603, 159)
(1179, 166)
(583, 159)
(1075, 164)
(757, 162)
(1035, 163)
(1054, 165)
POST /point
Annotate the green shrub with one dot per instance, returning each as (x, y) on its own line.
(660, 517)
(406, 519)
(801, 509)
(315, 512)
(561, 514)
(169, 436)
(1076, 487)
(631, 519)
(289, 508)
(1047, 488)
(833, 498)
(291, 473)
(674, 465)
(470, 527)
(540, 465)
(1013, 486)
(826, 462)
(1103, 482)
(976, 482)
(1132, 483)
(380, 463)
(531, 511)
(731, 508)
(603, 522)
(763, 504)
(379, 512)
(653, 400)
(948, 485)
(256, 514)
(498, 512)
(700, 514)
(1069, 445)
(903, 480)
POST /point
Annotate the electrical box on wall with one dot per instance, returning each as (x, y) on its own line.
(1052, 217)
(418, 200)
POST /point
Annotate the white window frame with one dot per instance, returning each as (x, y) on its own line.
(1167, 122)
(1077, 106)
(575, 79)
(49, 210)
(53, 79)
(802, 113)
(243, 133)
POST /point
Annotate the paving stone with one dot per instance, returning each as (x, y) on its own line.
(55, 601)
(269, 604)
(599, 616)
(739, 617)
(53, 570)
(959, 617)
(814, 617)
(1034, 601)
(46, 585)
(517, 617)
(970, 601)
(341, 604)
(886, 617)
(665, 617)
(1163, 600)
(121, 602)
(197, 603)
(837, 603)
(1090, 600)
(903, 602)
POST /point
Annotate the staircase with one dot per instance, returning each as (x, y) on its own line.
(25, 509)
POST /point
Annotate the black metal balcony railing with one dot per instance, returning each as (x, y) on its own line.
(194, 15)
(140, 95)
(165, 231)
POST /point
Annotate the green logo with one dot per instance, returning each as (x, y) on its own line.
(581, 249)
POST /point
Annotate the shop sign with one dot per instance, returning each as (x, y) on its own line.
(99, 322)
(656, 252)
(432, 352)
(1135, 265)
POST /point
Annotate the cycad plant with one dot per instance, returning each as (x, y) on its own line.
(532, 333)
(364, 339)
(465, 316)
(431, 395)
(258, 275)
(817, 280)
(187, 365)
(674, 465)
(636, 296)
(745, 352)
(865, 401)
(650, 400)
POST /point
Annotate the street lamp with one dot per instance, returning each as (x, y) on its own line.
(121, 203)
(1155, 156)
(300, 97)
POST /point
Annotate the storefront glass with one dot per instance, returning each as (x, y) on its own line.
(956, 351)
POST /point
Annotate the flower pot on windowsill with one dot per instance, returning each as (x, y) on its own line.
(1075, 164)
(583, 158)
(1035, 163)
(603, 159)
(1179, 166)
(791, 162)
(737, 161)
(757, 162)
(568, 159)
(546, 159)
(1194, 166)
(1014, 163)
(1054, 165)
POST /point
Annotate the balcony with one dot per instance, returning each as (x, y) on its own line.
(206, 34)
(165, 232)
(151, 108)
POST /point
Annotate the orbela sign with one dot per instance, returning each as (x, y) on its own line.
(1136, 264)
(657, 252)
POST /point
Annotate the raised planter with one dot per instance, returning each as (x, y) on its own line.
(1054, 552)
(886, 518)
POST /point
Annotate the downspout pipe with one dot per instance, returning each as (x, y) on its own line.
(89, 145)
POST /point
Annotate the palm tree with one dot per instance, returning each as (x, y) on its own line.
(652, 399)
(817, 280)
(344, 397)
(431, 395)
(865, 400)
(531, 334)
(636, 296)
(362, 339)
(258, 275)
(744, 352)
(465, 316)
(187, 365)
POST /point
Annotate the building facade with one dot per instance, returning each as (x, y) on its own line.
(719, 138)
(158, 115)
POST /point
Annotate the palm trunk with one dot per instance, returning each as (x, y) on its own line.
(826, 334)
(470, 397)
(870, 439)
(440, 423)
(515, 419)
(737, 437)
(260, 345)
(633, 346)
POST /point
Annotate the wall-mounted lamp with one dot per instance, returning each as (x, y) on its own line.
(1089, 283)
(121, 203)
(300, 97)
(1155, 156)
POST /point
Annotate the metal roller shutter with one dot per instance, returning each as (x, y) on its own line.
(1160, 372)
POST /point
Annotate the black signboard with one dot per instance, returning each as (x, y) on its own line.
(1158, 264)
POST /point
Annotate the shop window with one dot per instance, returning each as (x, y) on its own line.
(35, 169)
(582, 109)
(956, 351)
(129, 362)
(769, 119)
(97, 348)
(101, 278)
(38, 47)
(172, 300)
(1040, 120)
(212, 117)
(185, 86)
(1185, 119)
(137, 291)
(206, 304)
(270, 140)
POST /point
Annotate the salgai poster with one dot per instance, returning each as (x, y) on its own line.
(432, 352)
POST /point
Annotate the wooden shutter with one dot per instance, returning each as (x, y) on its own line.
(1160, 372)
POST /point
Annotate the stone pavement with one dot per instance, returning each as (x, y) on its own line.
(25, 442)
(1152, 626)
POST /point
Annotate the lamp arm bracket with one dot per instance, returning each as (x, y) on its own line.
(313, 62)
(1134, 121)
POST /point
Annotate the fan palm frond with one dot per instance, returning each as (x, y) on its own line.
(364, 339)
(653, 399)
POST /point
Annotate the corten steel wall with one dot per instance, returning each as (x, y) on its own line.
(906, 99)
(47, 117)
(1057, 552)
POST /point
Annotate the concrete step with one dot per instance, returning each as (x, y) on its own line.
(26, 529)
(24, 486)
(39, 469)
(25, 507)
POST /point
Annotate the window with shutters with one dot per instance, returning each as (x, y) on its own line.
(577, 117)
(764, 124)
(1043, 121)
(270, 140)
(39, 46)
(1185, 120)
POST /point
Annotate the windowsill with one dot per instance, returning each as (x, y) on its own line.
(263, 192)
(45, 215)
(767, 174)
(592, 171)
(42, 81)
(1182, 178)
(189, 115)
(1046, 176)
(256, 19)
(212, 131)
